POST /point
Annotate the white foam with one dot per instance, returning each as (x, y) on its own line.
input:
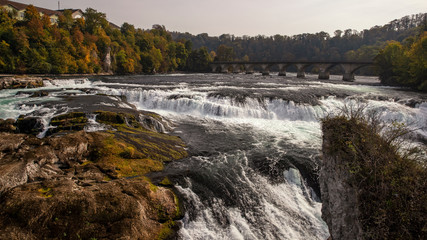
(282, 212)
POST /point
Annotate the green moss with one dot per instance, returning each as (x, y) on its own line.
(110, 117)
(167, 230)
(179, 214)
(45, 192)
(74, 121)
(86, 163)
(166, 182)
(133, 150)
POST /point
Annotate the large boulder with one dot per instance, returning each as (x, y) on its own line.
(81, 185)
(369, 189)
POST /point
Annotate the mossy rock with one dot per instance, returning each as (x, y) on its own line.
(166, 182)
(74, 121)
(28, 125)
(114, 119)
(110, 117)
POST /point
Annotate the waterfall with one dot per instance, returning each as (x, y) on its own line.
(254, 142)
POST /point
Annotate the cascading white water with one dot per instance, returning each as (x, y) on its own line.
(264, 210)
(253, 149)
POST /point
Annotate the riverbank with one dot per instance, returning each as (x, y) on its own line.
(13, 81)
(86, 178)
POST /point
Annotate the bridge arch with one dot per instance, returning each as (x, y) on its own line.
(348, 68)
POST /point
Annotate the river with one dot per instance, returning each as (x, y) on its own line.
(254, 141)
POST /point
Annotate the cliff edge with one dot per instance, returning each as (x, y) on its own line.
(369, 190)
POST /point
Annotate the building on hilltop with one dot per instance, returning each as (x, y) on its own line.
(19, 10)
(75, 13)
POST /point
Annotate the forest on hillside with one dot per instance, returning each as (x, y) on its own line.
(343, 45)
(93, 45)
(90, 45)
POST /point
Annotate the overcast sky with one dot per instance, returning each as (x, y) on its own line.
(248, 17)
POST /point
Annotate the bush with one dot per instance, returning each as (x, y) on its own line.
(391, 186)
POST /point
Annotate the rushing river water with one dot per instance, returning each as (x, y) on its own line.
(254, 142)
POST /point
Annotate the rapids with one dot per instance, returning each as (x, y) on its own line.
(254, 141)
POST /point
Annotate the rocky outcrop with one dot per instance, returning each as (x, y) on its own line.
(369, 189)
(339, 197)
(28, 82)
(87, 185)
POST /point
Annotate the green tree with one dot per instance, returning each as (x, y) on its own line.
(125, 64)
(392, 64)
(6, 58)
(198, 60)
(418, 63)
(404, 65)
(224, 53)
(37, 61)
(94, 20)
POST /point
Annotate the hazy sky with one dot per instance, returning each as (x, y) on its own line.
(248, 17)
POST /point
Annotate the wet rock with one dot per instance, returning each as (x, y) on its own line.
(63, 209)
(27, 82)
(152, 123)
(7, 125)
(69, 122)
(40, 94)
(29, 125)
(87, 185)
(110, 117)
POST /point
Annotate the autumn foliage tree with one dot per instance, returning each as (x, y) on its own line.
(34, 45)
(404, 65)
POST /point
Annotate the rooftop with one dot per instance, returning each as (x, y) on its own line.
(21, 6)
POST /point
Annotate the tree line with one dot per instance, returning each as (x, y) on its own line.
(343, 45)
(404, 64)
(90, 45)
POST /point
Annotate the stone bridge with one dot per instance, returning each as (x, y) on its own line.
(324, 67)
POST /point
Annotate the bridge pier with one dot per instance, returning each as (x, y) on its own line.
(214, 67)
(282, 69)
(324, 70)
(224, 68)
(324, 75)
(236, 68)
(349, 69)
(249, 68)
(301, 68)
(348, 76)
(265, 69)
